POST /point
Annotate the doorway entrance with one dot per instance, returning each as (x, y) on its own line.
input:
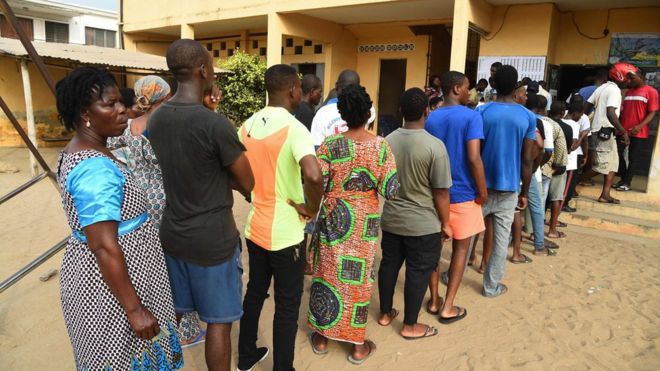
(573, 77)
(392, 83)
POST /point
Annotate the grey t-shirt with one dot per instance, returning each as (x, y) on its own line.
(423, 164)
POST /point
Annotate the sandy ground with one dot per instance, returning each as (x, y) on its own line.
(594, 306)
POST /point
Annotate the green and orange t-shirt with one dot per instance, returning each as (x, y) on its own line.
(275, 142)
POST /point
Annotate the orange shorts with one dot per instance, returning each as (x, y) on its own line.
(465, 219)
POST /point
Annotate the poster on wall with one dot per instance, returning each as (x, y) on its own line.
(532, 67)
(640, 49)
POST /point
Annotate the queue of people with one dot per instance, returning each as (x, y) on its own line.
(155, 249)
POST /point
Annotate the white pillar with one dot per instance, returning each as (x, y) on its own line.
(274, 51)
(29, 113)
(187, 31)
(459, 35)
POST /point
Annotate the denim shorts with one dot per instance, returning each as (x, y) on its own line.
(215, 292)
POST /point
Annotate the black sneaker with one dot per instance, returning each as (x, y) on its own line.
(247, 363)
(568, 209)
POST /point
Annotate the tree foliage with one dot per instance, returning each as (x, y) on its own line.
(244, 91)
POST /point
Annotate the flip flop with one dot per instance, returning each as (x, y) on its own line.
(448, 320)
(610, 201)
(526, 259)
(560, 234)
(372, 348)
(393, 314)
(314, 348)
(430, 331)
(436, 312)
(201, 338)
(560, 224)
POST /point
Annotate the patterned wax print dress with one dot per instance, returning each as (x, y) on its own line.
(344, 242)
(136, 153)
(95, 188)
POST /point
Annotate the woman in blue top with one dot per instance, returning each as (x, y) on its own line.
(115, 293)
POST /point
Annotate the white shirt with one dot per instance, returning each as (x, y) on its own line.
(573, 155)
(585, 125)
(327, 122)
(547, 96)
(607, 95)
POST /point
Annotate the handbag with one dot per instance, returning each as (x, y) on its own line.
(605, 133)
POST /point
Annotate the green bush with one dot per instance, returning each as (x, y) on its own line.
(244, 91)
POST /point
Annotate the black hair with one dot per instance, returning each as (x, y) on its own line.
(576, 105)
(505, 80)
(497, 66)
(451, 79)
(435, 100)
(484, 81)
(602, 74)
(309, 83)
(413, 103)
(543, 102)
(576, 98)
(432, 78)
(345, 78)
(526, 80)
(76, 92)
(183, 56)
(532, 101)
(354, 105)
(557, 107)
(127, 96)
(280, 77)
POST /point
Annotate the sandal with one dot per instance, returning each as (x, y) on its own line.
(609, 201)
(430, 331)
(623, 188)
(560, 234)
(433, 312)
(393, 314)
(448, 320)
(314, 348)
(372, 348)
(525, 259)
(547, 251)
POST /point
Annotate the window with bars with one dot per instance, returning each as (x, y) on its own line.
(99, 37)
(7, 31)
(57, 32)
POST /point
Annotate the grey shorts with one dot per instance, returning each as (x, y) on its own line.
(606, 156)
(557, 185)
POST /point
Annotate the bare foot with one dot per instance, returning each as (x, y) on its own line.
(319, 343)
(387, 318)
(363, 351)
(434, 308)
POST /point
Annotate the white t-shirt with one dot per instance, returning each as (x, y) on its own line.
(607, 95)
(585, 125)
(573, 155)
(327, 122)
(547, 96)
(548, 146)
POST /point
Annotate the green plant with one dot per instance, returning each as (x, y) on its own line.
(244, 91)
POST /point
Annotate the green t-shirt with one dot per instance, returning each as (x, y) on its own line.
(275, 143)
(423, 164)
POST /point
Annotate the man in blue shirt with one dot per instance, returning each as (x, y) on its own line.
(509, 140)
(461, 130)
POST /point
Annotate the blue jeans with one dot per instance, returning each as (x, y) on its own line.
(535, 204)
(500, 206)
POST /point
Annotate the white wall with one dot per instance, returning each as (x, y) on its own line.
(77, 26)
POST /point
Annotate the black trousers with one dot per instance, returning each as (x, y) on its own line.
(626, 171)
(421, 254)
(287, 268)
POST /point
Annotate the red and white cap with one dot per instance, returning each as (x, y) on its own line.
(619, 71)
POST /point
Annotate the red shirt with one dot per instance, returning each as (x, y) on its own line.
(637, 103)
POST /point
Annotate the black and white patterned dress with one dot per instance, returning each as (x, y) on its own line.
(99, 330)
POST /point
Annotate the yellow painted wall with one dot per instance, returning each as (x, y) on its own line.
(572, 48)
(43, 102)
(525, 31)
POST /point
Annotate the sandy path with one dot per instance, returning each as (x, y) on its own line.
(594, 306)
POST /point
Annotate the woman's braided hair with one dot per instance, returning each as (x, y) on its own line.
(78, 90)
(354, 105)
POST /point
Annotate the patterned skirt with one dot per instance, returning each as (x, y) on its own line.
(344, 246)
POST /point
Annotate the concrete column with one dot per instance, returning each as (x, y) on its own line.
(274, 52)
(187, 31)
(459, 35)
(653, 187)
(29, 113)
(244, 41)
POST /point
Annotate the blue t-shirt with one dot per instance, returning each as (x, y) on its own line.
(587, 91)
(455, 126)
(506, 126)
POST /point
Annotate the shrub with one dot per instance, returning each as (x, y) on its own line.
(244, 91)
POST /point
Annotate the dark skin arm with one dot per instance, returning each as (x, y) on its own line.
(526, 167)
(313, 187)
(477, 169)
(614, 120)
(441, 203)
(585, 152)
(102, 241)
(649, 117)
(242, 178)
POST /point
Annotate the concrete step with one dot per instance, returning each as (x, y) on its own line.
(613, 223)
(632, 209)
(632, 195)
